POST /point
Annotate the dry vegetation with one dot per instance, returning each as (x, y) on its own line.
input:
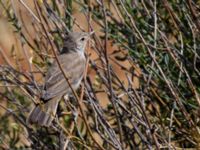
(142, 85)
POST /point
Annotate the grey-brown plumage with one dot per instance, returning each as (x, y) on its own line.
(72, 60)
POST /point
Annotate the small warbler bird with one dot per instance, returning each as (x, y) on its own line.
(73, 61)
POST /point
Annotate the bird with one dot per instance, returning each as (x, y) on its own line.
(72, 61)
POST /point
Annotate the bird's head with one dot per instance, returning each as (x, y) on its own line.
(76, 41)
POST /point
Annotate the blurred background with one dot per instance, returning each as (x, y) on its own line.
(142, 85)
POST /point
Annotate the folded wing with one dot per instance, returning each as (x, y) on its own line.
(55, 82)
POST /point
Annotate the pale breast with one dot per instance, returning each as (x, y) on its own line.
(55, 83)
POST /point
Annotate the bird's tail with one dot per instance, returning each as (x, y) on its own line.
(43, 114)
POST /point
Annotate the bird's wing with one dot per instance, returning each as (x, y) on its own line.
(55, 83)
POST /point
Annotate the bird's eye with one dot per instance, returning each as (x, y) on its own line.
(83, 39)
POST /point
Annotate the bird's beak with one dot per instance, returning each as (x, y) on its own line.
(91, 33)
